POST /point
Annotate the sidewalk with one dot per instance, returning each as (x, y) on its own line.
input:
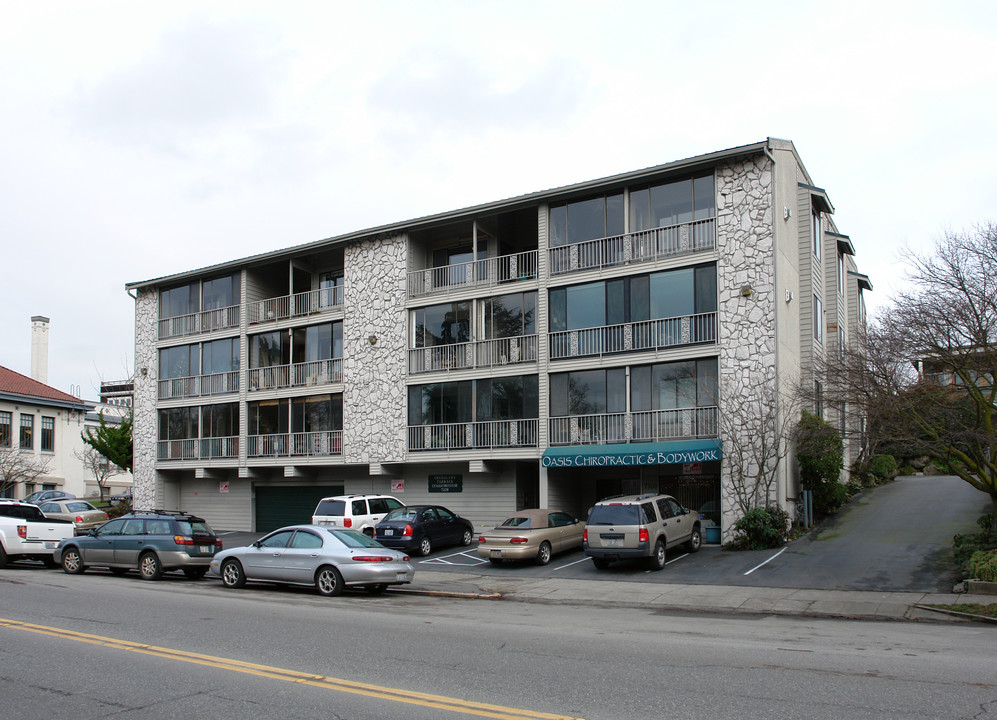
(723, 599)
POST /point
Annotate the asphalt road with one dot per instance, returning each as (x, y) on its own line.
(101, 646)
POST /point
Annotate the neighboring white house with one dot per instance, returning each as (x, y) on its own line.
(544, 350)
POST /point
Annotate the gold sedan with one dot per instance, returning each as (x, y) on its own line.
(531, 535)
(79, 512)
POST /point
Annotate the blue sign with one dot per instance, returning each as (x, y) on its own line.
(662, 453)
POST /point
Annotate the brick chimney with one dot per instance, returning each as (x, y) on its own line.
(39, 348)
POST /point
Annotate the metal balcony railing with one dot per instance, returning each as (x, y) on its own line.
(304, 444)
(198, 449)
(199, 385)
(296, 305)
(634, 337)
(483, 353)
(474, 273)
(649, 426)
(464, 436)
(641, 246)
(318, 372)
(199, 322)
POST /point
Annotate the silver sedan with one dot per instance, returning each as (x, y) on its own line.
(327, 558)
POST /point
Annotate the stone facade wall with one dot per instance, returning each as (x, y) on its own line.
(374, 397)
(144, 401)
(745, 246)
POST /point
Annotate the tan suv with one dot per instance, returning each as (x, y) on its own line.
(639, 526)
(355, 512)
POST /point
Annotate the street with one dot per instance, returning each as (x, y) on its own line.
(96, 646)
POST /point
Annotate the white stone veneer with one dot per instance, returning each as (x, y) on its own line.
(144, 400)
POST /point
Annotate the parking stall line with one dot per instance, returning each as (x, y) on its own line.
(767, 561)
(584, 559)
(381, 692)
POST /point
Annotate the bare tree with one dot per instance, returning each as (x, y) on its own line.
(18, 467)
(98, 466)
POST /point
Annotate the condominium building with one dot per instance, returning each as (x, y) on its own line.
(546, 350)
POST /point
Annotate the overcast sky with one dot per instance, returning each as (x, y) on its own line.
(140, 139)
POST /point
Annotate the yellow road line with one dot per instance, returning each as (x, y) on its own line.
(320, 681)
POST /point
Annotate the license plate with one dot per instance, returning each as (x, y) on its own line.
(496, 553)
(613, 543)
(51, 545)
(400, 577)
(206, 548)
(389, 532)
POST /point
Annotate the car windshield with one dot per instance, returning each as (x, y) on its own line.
(194, 527)
(79, 506)
(331, 507)
(354, 539)
(402, 514)
(520, 522)
(615, 515)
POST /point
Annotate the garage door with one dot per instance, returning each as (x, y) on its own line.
(282, 505)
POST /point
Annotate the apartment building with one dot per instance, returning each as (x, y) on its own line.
(545, 350)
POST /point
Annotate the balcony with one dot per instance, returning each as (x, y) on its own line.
(642, 246)
(634, 337)
(318, 372)
(304, 444)
(487, 272)
(474, 435)
(199, 385)
(481, 354)
(215, 448)
(199, 322)
(650, 426)
(296, 305)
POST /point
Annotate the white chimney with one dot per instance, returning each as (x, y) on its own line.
(39, 348)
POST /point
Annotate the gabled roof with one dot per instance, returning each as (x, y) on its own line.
(17, 387)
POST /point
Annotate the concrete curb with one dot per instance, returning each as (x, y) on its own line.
(956, 613)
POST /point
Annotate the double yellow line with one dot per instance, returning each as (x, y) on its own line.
(320, 681)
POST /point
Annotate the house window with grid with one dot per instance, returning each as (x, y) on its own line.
(48, 434)
(27, 439)
(5, 421)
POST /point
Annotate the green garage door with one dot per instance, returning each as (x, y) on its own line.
(289, 504)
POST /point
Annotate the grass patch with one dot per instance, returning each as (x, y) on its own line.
(989, 611)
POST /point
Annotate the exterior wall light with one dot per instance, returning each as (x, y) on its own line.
(372, 339)
(746, 290)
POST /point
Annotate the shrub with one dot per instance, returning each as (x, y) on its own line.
(828, 497)
(971, 543)
(883, 466)
(117, 510)
(761, 528)
(983, 565)
(820, 452)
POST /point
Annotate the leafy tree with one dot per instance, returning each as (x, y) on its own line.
(112, 441)
(820, 453)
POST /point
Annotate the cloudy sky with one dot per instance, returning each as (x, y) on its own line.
(141, 139)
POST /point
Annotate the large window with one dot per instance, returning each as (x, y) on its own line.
(444, 324)
(670, 293)
(221, 292)
(815, 233)
(178, 423)
(510, 315)
(318, 342)
(506, 398)
(5, 432)
(219, 421)
(268, 417)
(180, 361)
(672, 203)
(674, 385)
(27, 438)
(588, 392)
(818, 320)
(48, 434)
(583, 220)
(269, 349)
(220, 356)
(182, 300)
(440, 403)
(489, 399)
(317, 413)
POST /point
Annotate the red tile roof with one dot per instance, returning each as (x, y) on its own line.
(14, 383)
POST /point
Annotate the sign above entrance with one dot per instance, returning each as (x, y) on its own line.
(662, 453)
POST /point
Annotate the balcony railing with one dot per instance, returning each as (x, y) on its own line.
(650, 426)
(198, 449)
(199, 322)
(318, 372)
(484, 353)
(199, 385)
(474, 273)
(465, 436)
(641, 246)
(305, 444)
(296, 305)
(635, 337)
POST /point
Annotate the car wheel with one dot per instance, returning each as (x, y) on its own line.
(328, 581)
(543, 554)
(694, 541)
(72, 561)
(3, 557)
(195, 573)
(118, 571)
(466, 538)
(657, 560)
(600, 563)
(376, 589)
(149, 566)
(425, 546)
(232, 574)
